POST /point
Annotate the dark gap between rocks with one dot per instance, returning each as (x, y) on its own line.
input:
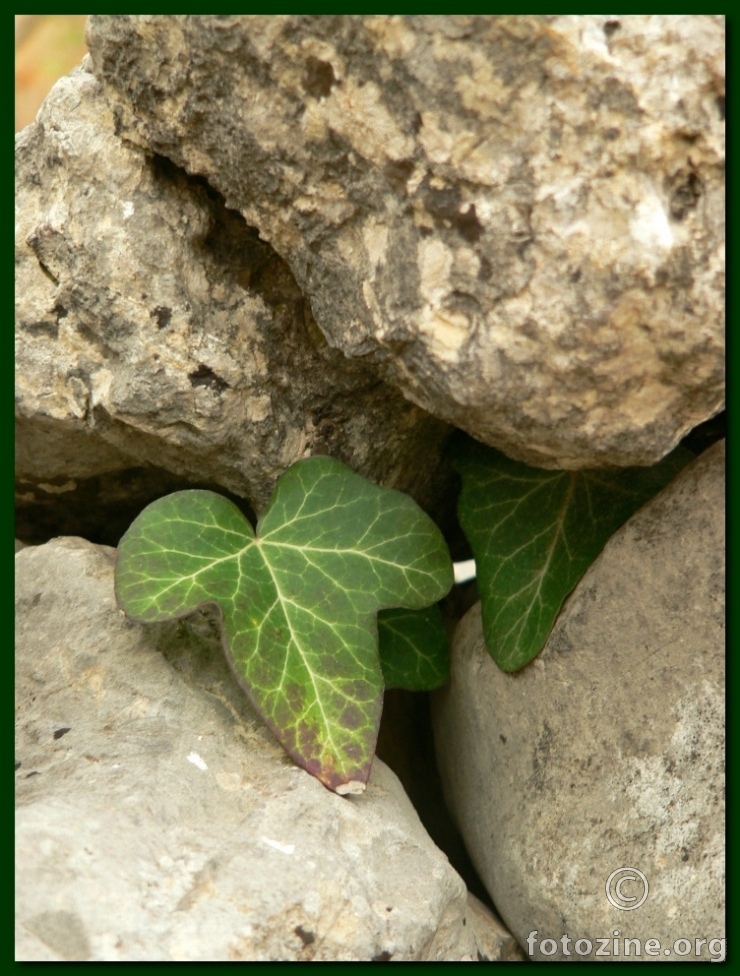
(99, 509)
(702, 437)
(406, 744)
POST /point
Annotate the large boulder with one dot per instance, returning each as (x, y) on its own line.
(158, 820)
(607, 752)
(161, 343)
(520, 219)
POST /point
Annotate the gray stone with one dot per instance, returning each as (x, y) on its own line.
(520, 219)
(494, 942)
(158, 820)
(157, 334)
(606, 752)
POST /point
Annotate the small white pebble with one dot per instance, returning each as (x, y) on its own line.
(464, 570)
(195, 759)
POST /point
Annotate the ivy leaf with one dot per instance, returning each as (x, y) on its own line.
(414, 651)
(534, 533)
(298, 599)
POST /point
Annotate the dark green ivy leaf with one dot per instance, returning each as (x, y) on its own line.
(534, 533)
(414, 652)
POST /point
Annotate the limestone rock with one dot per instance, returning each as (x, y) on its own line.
(158, 820)
(607, 752)
(520, 219)
(494, 942)
(159, 340)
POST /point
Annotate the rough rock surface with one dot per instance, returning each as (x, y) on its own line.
(521, 219)
(608, 751)
(493, 940)
(154, 328)
(158, 820)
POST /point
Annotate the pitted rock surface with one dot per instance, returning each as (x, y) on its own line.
(161, 343)
(608, 751)
(519, 219)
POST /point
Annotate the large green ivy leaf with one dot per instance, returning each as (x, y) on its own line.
(298, 600)
(414, 650)
(534, 533)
